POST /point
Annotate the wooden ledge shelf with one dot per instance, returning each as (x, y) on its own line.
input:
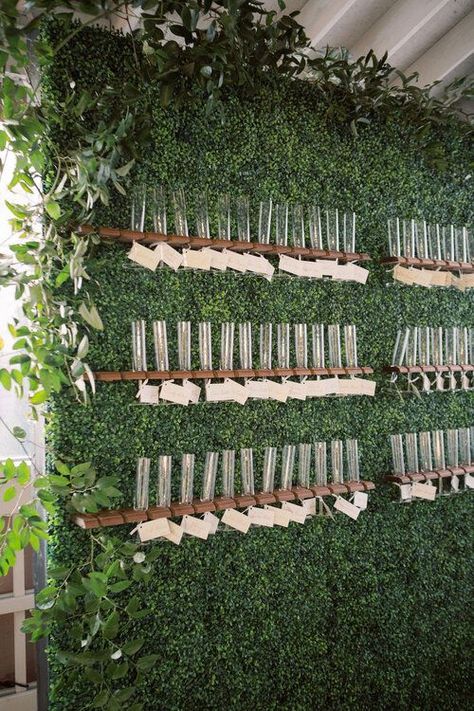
(119, 517)
(409, 369)
(413, 477)
(129, 236)
(114, 375)
(443, 265)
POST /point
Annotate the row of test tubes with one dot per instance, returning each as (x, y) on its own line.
(326, 348)
(312, 226)
(429, 451)
(312, 469)
(417, 238)
(435, 345)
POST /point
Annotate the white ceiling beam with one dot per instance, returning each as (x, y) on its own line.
(452, 51)
(397, 27)
(320, 18)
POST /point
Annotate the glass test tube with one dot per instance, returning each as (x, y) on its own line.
(452, 456)
(139, 345)
(281, 224)
(350, 345)
(283, 345)
(269, 467)
(243, 220)
(266, 346)
(158, 209)
(184, 345)
(160, 341)
(187, 478)
(202, 216)
(337, 461)
(426, 453)
(264, 221)
(439, 460)
(317, 330)
(137, 216)
(205, 345)
(245, 345)
(163, 489)
(315, 231)
(301, 345)
(398, 460)
(142, 480)
(209, 476)
(334, 338)
(348, 235)
(332, 229)
(246, 470)
(227, 345)
(287, 466)
(352, 459)
(228, 472)
(321, 464)
(223, 216)
(180, 218)
(464, 445)
(304, 464)
(297, 224)
(411, 446)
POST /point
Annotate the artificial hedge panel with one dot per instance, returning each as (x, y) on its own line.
(335, 614)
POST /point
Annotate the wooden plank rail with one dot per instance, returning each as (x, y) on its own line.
(412, 477)
(114, 375)
(444, 265)
(130, 236)
(117, 517)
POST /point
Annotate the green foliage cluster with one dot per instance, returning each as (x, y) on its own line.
(334, 614)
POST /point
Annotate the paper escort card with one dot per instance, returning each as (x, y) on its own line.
(297, 391)
(309, 506)
(469, 481)
(258, 265)
(261, 517)
(405, 492)
(278, 391)
(196, 527)
(404, 275)
(176, 533)
(257, 389)
(171, 392)
(227, 391)
(361, 499)
(280, 517)
(291, 265)
(235, 261)
(455, 483)
(423, 491)
(144, 256)
(149, 394)
(192, 391)
(218, 259)
(295, 512)
(148, 530)
(441, 278)
(351, 272)
(347, 508)
(169, 256)
(212, 521)
(236, 519)
(197, 259)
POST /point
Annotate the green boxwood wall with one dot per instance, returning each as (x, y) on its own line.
(335, 614)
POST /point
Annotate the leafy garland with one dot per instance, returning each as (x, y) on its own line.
(207, 47)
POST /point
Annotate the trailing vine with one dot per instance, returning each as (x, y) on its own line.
(195, 51)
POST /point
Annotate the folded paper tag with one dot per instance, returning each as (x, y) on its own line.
(236, 519)
(235, 261)
(314, 269)
(280, 517)
(212, 521)
(278, 391)
(347, 508)
(466, 281)
(327, 267)
(169, 256)
(455, 483)
(144, 256)
(261, 517)
(291, 265)
(197, 259)
(309, 506)
(363, 387)
(174, 393)
(441, 278)
(257, 389)
(469, 481)
(258, 265)
(192, 391)
(360, 500)
(423, 277)
(176, 533)
(297, 391)
(227, 391)
(196, 527)
(423, 491)
(322, 387)
(148, 530)
(295, 512)
(149, 394)
(405, 492)
(404, 275)
(351, 272)
(218, 259)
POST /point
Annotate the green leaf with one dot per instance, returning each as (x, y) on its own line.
(53, 209)
(125, 169)
(19, 433)
(147, 662)
(111, 626)
(39, 397)
(133, 646)
(91, 316)
(9, 493)
(5, 379)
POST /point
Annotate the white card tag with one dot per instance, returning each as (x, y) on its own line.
(347, 386)
(149, 394)
(169, 256)
(351, 272)
(236, 519)
(313, 269)
(219, 260)
(360, 500)
(212, 521)
(364, 387)
(309, 506)
(347, 508)
(227, 391)
(257, 389)
(469, 481)
(320, 388)
(148, 530)
(259, 265)
(235, 261)
(261, 517)
(197, 259)
(405, 492)
(196, 527)
(291, 265)
(295, 512)
(455, 483)
(442, 278)
(297, 391)
(174, 393)
(144, 256)
(176, 533)
(278, 391)
(280, 517)
(404, 275)
(423, 491)
(192, 391)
